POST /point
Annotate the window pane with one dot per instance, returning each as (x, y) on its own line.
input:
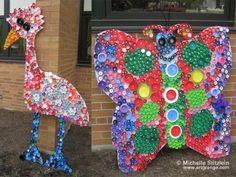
(84, 55)
(1, 7)
(17, 4)
(89, 39)
(198, 6)
(1, 36)
(87, 5)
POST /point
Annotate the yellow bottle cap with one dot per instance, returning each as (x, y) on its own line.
(197, 76)
(144, 90)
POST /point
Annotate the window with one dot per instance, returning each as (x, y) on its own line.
(133, 15)
(1, 35)
(2, 30)
(16, 4)
(17, 50)
(84, 47)
(199, 6)
(1, 7)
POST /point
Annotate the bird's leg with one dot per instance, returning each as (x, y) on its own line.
(57, 160)
(32, 153)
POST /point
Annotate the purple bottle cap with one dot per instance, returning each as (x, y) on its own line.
(102, 85)
(227, 139)
(98, 48)
(124, 109)
(228, 110)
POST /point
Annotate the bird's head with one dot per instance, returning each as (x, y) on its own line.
(25, 23)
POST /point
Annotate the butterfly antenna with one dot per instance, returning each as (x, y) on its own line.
(168, 19)
(163, 14)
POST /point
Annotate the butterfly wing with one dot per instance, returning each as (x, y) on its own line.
(127, 70)
(206, 61)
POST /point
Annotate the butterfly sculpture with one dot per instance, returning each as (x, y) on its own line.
(167, 90)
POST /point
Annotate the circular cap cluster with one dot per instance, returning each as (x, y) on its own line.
(201, 123)
(176, 133)
(196, 97)
(171, 81)
(139, 62)
(196, 54)
(146, 140)
(148, 112)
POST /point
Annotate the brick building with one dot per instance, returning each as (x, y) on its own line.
(132, 16)
(57, 51)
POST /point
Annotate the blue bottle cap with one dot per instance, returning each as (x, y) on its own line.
(172, 115)
(172, 70)
(102, 57)
(215, 92)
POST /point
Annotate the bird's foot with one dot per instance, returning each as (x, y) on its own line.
(32, 154)
(58, 162)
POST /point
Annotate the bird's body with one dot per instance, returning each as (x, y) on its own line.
(49, 94)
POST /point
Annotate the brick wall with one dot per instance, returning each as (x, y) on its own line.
(11, 86)
(56, 47)
(83, 79)
(47, 48)
(103, 107)
(68, 38)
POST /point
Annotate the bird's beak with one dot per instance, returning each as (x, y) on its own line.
(11, 38)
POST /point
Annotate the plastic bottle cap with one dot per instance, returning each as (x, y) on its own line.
(197, 76)
(144, 90)
(215, 92)
(175, 131)
(102, 57)
(172, 70)
(172, 115)
(170, 95)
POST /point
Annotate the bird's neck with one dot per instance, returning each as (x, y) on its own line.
(31, 64)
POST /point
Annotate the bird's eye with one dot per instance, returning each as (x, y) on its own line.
(172, 40)
(26, 26)
(161, 41)
(20, 21)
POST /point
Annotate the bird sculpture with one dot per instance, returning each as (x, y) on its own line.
(168, 91)
(44, 92)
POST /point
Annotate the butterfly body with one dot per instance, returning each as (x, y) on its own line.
(168, 91)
